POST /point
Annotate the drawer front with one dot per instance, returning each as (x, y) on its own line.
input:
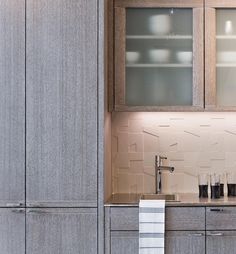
(185, 218)
(221, 218)
(124, 218)
(177, 218)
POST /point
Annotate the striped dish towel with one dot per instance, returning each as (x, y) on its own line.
(151, 226)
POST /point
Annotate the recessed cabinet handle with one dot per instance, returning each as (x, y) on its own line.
(196, 234)
(216, 234)
(14, 204)
(217, 210)
(36, 211)
(18, 210)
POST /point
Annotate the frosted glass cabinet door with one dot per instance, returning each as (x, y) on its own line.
(158, 55)
(221, 55)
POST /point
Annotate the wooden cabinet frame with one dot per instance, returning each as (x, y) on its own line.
(120, 47)
(210, 53)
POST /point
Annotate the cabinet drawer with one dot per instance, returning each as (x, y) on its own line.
(185, 218)
(177, 218)
(220, 218)
(124, 218)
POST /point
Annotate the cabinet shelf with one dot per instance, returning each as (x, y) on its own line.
(226, 37)
(169, 65)
(160, 37)
(225, 65)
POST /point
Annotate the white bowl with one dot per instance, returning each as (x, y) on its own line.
(132, 57)
(160, 24)
(184, 56)
(226, 57)
(159, 55)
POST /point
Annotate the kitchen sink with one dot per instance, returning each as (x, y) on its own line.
(166, 197)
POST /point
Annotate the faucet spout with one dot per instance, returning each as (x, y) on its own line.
(158, 171)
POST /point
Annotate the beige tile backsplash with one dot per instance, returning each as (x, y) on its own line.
(193, 143)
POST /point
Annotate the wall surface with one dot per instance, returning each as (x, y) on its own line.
(193, 143)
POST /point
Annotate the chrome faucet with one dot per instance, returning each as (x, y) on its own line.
(158, 169)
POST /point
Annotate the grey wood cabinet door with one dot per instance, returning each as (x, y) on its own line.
(124, 242)
(220, 242)
(12, 231)
(185, 242)
(62, 103)
(61, 231)
(12, 101)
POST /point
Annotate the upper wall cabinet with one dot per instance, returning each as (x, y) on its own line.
(158, 55)
(220, 41)
(62, 103)
(12, 102)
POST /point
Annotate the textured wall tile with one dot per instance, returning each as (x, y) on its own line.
(122, 160)
(136, 167)
(148, 184)
(151, 143)
(149, 159)
(135, 125)
(135, 143)
(124, 182)
(136, 156)
(204, 160)
(149, 170)
(123, 143)
(193, 143)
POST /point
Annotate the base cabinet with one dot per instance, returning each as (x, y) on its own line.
(124, 242)
(61, 230)
(185, 242)
(176, 242)
(221, 242)
(12, 231)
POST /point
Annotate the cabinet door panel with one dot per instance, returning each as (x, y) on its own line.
(221, 242)
(185, 242)
(12, 231)
(150, 73)
(124, 242)
(12, 101)
(60, 231)
(62, 102)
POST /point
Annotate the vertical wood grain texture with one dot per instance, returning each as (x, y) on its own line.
(220, 3)
(110, 54)
(221, 244)
(12, 101)
(124, 242)
(12, 232)
(107, 233)
(198, 57)
(160, 3)
(61, 231)
(224, 219)
(210, 58)
(62, 102)
(184, 242)
(120, 48)
(101, 121)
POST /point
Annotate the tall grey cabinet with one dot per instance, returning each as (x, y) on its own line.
(61, 101)
(12, 126)
(12, 102)
(49, 126)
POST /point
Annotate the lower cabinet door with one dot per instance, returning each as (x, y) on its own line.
(185, 242)
(12, 231)
(124, 242)
(221, 242)
(61, 231)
